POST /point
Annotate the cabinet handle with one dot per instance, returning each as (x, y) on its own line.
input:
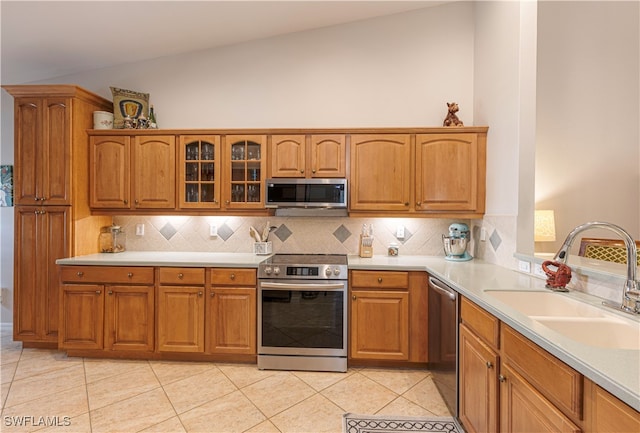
(110, 292)
(213, 293)
(126, 201)
(135, 201)
(80, 273)
(313, 171)
(302, 171)
(227, 202)
(180, 275)
(353, 297)
(418, 203)
(130, 275)
(232, 276)
(98, 292)
(379, 279)
(489, 364)
(200, 293)
(502, 379)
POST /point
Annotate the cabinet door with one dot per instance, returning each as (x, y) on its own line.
(181, 319)
(380, 172)
(245, 157)
(478, 380)
(56, 173)
(524, 410)
(154, 169)
(129, 312)
(447, 168)
(606, 413)
(288, 155)
(231, 318)
(328, 154)
(42, 235)
(380, 325)
(199, 172)
(109, 174)
(82, 316)
(28, 150)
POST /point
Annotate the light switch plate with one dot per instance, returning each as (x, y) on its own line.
(139, 229)
(213, 230)
(400, 232)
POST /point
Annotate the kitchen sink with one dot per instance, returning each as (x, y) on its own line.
(577, 320)
(545, 304)
(610, 333)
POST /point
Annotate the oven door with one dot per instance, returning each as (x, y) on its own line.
(302, 317)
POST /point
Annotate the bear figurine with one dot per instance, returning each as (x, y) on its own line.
(452, 119)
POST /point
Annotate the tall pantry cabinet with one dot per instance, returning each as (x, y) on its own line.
(51, 197)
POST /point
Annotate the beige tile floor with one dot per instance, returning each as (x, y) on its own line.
(54, 393)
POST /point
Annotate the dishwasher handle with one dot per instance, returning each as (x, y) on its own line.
(440, 287)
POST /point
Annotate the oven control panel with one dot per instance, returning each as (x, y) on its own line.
(316, 272)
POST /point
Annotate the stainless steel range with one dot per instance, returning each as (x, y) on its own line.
(302, 312)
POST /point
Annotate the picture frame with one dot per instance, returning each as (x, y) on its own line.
(6, 185)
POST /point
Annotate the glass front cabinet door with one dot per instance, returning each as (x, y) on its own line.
(200, 172)
(246, 156)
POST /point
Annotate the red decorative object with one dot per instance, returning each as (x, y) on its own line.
(559, 278)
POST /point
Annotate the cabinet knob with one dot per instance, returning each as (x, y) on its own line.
(126, 201)
(200, 293)
(135, 201)
(406, 203)
(232, 276)
(227, 201)
(489, 364)
(180, 275)
(98, 292)
(313, 171)
(110, 292)
(418, 203)
(379, 279)
(353, 297)
(213, 293)
(302, 171)
(80, 273)
(130, 275)
(501, 378)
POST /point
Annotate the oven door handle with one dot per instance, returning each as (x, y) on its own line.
(303, 286)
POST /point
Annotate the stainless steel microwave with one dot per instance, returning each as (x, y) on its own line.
(306, 193)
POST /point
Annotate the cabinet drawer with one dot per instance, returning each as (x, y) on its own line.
(554, 379)
(382, 280)
(183, 276)
(233, 277)
(482, 323)
(107, 274)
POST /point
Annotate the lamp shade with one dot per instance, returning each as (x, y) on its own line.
(544, 226)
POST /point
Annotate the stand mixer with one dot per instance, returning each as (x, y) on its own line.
(455, 245)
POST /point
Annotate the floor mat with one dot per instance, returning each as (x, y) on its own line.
(353, 423)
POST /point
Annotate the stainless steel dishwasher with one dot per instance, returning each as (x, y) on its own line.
(443, 341)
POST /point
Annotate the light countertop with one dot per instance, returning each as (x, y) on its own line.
(617, 371)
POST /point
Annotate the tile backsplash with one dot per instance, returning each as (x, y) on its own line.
(324, 235)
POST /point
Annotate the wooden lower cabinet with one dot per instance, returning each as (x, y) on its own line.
(181, 319)
(231, 325)
(385, 319)
(478, 370)
(523, 409)
(107, 308)
(606, 413)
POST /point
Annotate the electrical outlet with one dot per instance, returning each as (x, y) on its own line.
(537, 270)
(139, 229)
(483, 234)
(400, 232)
(213, 230)
(524, 266)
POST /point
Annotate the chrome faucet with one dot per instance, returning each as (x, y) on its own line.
(630, 294)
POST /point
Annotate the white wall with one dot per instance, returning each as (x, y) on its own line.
(398, 70)
(588, 130)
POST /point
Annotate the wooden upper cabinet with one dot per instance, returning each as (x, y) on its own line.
(450, 171)
(288, 155)
(199, 169)
(154, 181)
(109, 172)
(43, 151)
(245, 171)
(308, 156)
(380, 172)
(132, 172)
(328, 154)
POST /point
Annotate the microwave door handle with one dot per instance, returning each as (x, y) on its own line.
(303, 287)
